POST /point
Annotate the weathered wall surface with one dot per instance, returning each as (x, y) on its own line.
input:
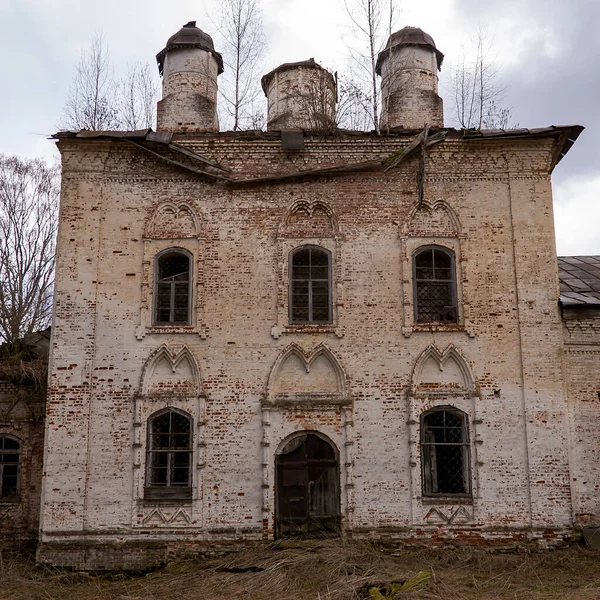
(409, 89)
(582, 367)
(240, 369)
(189, 92)
(301, 97)
(22, 418)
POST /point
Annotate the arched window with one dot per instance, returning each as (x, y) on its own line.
(172, 290)
(434, 285)
(310, 285)
(445, 452)
(169, 456)
(10, 468)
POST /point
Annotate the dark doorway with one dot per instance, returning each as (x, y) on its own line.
(308, 488)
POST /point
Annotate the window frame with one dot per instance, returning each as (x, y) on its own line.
(427, 478)
(168, 491)
(453, 284)
(292, 253)
(157, 258)
(17, 496)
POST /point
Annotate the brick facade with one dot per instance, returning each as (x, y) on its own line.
(250, 379)
(22, 419)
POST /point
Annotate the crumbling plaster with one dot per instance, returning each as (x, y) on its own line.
(497, 196)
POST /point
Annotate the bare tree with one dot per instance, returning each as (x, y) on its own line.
(354, 107)
(315, 102)
(475, 89)
(241, 28)
(29, 191)
(372, 24)
(137, 94)
(91, 101)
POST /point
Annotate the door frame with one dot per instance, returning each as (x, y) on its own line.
(284, 442)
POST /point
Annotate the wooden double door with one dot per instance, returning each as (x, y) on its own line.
(307, 488)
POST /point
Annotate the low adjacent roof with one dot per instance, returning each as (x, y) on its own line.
(567, 134)
(579, 278)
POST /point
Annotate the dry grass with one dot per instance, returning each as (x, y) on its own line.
(324, 570)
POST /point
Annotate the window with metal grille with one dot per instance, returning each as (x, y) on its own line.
(310, 285)
(169, 456)
(445, 453)
(10, 469)
(435, 285)
(172, 290)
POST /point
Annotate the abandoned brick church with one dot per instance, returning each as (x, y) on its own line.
(308, 330)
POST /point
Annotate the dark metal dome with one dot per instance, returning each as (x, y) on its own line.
(189, 36)
(409, 36)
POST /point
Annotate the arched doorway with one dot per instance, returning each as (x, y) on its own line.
(307, 496)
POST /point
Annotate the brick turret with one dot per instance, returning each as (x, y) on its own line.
(189, 66)
(408, 66)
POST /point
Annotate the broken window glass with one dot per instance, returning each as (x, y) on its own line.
(310, 286)
(172, 290)
(169, 450)
(435, 286)
(10, 468)
(445, 452)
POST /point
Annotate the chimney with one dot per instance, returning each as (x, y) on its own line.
(408, 66)
(189, 66)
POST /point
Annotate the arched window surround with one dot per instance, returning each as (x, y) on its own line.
(447, 310)
(169, 467)
(11, 458)
(445, 453)
(173, 305)
(315, 304)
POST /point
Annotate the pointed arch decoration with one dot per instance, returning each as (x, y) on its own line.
(173, 220)
(301, 375)
(306, 219)
(442, 372)
(19, 410)
(435, 218)
(171, 369)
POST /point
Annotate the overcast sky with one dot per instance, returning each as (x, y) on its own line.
(548, 50)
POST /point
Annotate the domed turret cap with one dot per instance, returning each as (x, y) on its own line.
(189, 36)
(409, 36)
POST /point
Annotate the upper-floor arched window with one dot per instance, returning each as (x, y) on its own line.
(169, 455)
(10, 468)
(434, 278)
(310, 285)
(445, 452)
(172, 288)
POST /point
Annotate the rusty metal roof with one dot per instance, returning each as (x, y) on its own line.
(189, 36)
(307, 64)
(579, 278)
(567, 135)
(409, 36)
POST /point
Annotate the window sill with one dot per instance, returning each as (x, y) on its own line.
(10, 503)
(441, 499)
(171, 329)
(168, 494)
(142, 332)
(277, 331)
(436, 327)
(433, 326)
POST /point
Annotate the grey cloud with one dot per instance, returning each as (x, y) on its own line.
(550, 89)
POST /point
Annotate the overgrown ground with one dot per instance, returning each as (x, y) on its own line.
(325, 571)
